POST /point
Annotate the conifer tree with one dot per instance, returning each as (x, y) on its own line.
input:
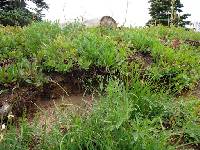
(167, 12)
(15, 12)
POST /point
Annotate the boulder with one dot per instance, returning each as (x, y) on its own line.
(107, 21)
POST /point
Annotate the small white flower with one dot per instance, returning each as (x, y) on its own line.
(3, 127)
(10, 116)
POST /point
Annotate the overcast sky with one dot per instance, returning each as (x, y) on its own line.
(137, 14)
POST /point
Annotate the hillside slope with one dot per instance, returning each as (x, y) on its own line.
(146, 81)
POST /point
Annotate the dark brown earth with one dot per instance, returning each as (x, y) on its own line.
(144, 58)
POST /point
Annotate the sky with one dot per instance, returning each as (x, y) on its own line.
(135, 15)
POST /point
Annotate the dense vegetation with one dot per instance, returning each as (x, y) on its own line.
(138, 107)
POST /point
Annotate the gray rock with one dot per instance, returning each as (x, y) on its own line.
(92, 22)
(5, 110)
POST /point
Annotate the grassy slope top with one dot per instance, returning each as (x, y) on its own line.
(130, 115)
(162, 54)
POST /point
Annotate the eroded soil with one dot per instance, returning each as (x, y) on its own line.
(61, 93)
(47, 111)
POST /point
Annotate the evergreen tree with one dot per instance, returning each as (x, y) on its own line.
(15, 12)
(167, 12)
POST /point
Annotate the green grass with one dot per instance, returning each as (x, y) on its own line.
(136, 108)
